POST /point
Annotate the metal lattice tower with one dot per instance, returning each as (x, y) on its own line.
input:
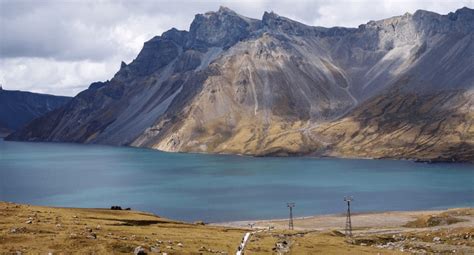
(290, 222)
(348, 229)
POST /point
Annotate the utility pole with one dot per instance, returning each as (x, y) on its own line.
(348, 230)
(290, 223)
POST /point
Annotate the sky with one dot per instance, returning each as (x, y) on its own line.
(61, 46)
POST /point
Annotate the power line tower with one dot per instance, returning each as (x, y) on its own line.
(348, 229)
(290, 223)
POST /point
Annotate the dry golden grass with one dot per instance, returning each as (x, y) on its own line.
(37, 229)
(71, 230)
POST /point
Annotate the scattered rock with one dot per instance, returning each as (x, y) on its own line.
(139, 251)
(18, 230)
(92, 236)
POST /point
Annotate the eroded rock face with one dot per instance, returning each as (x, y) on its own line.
(275, 86)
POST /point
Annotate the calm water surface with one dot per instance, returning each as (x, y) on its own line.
(221, 188)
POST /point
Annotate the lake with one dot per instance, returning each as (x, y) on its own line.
(218, 188)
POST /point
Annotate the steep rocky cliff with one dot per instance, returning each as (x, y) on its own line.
(398, 88)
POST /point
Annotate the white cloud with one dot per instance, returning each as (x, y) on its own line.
(60, 47)
(53, 77)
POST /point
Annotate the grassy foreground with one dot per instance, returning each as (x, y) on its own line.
(36, 229)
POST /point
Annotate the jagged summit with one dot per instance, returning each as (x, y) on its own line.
(399, 87)
(222, 29)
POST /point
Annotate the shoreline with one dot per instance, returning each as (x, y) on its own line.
(437, 160)
(396, 218)
(42, 229)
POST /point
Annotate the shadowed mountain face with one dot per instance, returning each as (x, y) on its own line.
(17, 108)
(398, 88)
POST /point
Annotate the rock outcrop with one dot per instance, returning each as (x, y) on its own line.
(395, 88)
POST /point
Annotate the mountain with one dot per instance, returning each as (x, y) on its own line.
(401, 87)
(17, 108)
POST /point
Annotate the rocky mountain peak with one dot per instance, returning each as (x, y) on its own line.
(220, 29)
(275, 86)
(465, 16)
(277, 23)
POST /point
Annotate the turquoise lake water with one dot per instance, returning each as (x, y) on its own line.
(217, 188)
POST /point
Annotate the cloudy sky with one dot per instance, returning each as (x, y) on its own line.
(61, 46)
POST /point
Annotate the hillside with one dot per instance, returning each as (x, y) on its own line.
(18, 108)
(395, 88)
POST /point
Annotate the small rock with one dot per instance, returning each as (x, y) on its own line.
(58, 225)
(139, 251)
(98, 227)
(436, 239)
(28, 221)
(155, 249)
(169, 247)
(180, 244)
(92, 236)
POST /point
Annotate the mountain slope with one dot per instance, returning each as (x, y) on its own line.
(17, 108)
(275, 86)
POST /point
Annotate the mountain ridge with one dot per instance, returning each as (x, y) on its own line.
(17, 108)
(233, 84)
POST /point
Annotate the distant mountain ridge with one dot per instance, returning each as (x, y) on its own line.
(401, 87)
(17, 108)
